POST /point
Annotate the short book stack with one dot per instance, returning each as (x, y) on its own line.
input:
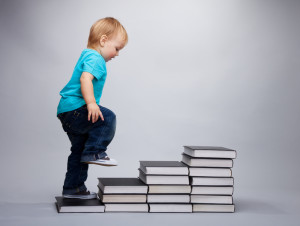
(169, 189)
(123, 194)
(210, 177)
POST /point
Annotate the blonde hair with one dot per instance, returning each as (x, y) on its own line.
(108, 26)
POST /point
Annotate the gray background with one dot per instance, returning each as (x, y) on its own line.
(208, 72)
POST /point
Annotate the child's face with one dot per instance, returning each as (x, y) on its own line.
(109, 48)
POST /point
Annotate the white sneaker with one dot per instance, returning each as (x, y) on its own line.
(105, 161)
(82, 195)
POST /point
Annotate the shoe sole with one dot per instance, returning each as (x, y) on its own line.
(80, 197)
(100, 164)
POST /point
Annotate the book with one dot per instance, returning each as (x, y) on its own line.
(122, 185)
(126, 207)
(209, 152)
(164, 167)
(168, 198)
(163, 179)
(65, 205)
(122, 198)
(170, 208)
(210, 172)
(216, 199)
(206, 162)
(178, 189)
(212, 190)
(213, 181)
(222, 208)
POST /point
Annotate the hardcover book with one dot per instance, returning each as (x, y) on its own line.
(163, 179)
(122, 198)
(126, 207)
(178, 189)
(202, 162)
(212, 190)
(164, 167)
(168, 198)
(215, 199)
(210, 172)
(219, 208)
(212, 181)
(209, 152)
(170, 208)
(65, 205)
(122, 185)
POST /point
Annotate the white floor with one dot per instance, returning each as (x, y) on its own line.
(252, 208)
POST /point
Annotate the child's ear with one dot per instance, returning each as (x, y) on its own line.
(102, 40)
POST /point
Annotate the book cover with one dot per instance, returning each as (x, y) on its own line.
(206, 162)
(209, 152)
(212, 181)
(212, 190)
(65, 205)
(126, 207)
(216, 208)
(210, 172)
(169, 189)
(170, 208)
(122, 198)
(122, 185)
(164, 167)
(163, 179)
(212, 199)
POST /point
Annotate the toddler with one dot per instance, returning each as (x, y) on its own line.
(89, 126)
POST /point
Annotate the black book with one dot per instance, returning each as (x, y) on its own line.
(122, 186)
(66, 205)
(164, 167)
(206, 162)
(209, 152)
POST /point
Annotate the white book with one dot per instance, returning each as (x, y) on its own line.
(212, 190)
(157, 179)
(217, 199)
(164, 167)
(210, 172)
(222, 208)
(170, 208)
(125, 207)
(209, 152)
(201, 162)
(185, 189)
(168, 198)
(212, 181)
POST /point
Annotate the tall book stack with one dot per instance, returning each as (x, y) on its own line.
(123, 194)
(210, 177)
(169, 189)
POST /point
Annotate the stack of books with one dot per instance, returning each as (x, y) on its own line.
(201, 182)
(169, 189)
(210, 177)
(123, 194)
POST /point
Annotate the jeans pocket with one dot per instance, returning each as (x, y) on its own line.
(75, 121)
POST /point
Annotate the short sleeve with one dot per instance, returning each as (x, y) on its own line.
(95, 65)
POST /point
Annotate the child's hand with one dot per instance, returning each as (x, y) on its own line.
(94, 112)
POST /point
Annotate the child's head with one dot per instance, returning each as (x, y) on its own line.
(108, 37)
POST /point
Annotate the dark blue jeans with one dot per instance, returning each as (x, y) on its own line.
(89, 142)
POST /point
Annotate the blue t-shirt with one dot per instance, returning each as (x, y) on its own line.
(71, 97)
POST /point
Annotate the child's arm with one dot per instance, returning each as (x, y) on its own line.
(87, 91)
